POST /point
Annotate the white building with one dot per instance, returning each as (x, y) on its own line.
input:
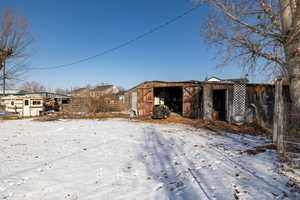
(24, 106)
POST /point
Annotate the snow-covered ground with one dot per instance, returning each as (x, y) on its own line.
(121, 159)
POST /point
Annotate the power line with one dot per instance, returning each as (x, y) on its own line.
(126, 43)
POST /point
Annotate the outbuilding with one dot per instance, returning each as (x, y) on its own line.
(231, 100)
(180, 97)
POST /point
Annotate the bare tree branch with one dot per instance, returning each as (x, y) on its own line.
(227, 11)
(33, 87)
(247, 32)
(268, 10)
(260, 34)
(15, 40)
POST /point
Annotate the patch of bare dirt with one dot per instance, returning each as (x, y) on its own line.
(14, 117)
(295, 148)
(259, 149)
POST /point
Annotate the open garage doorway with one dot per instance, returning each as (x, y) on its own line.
(219, 104)
(169, 96)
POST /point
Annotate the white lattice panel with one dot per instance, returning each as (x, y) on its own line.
(239, 99)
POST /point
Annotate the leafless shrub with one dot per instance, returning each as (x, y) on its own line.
(100, 103)
(33, 86)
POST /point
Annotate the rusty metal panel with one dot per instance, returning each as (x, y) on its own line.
(145, 101)
(191, 106)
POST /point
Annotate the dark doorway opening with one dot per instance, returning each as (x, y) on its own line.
(200, 105)
(219, 103)
(169, 96)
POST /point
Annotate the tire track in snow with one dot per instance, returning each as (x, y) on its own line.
(246, 170)
(241, 167)
(150, 131)
(199, 184)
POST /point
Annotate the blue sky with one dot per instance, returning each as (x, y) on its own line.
(68, 30)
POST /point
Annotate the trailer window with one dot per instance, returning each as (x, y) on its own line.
(36, 102)
(12, 103)
(26, 102)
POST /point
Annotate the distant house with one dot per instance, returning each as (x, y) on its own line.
(216, 79)
(98, 91)
(102, 97)
(213, 79)
(80, 92)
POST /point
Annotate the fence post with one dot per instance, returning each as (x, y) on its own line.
(279, 126)
(275, 119)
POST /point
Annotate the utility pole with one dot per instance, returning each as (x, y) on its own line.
(3, 56)
(2, 66)
(4, 77)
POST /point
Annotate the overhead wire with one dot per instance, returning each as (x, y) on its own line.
(124, 44)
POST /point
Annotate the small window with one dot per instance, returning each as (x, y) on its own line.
(12, 103)
(65, 101)
(36, 102)
(26, 102)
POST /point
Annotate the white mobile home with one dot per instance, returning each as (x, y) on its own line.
(24, 106)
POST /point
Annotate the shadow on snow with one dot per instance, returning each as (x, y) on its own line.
(164, 160)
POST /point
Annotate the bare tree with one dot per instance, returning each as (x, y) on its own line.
(15, 39)
(260, 34)
(33, 87)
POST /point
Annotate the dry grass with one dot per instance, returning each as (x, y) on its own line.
(46, 118)
(96, 116)
(58, 116)
(215, 126)
(14, 117)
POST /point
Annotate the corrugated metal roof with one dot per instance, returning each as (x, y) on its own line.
(12, 92)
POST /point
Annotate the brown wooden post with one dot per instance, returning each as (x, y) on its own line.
(279, 127)
(275, 119)
(207, 102)
(4, 77)
(198, 102)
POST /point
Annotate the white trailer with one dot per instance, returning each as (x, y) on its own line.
(24, 106)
